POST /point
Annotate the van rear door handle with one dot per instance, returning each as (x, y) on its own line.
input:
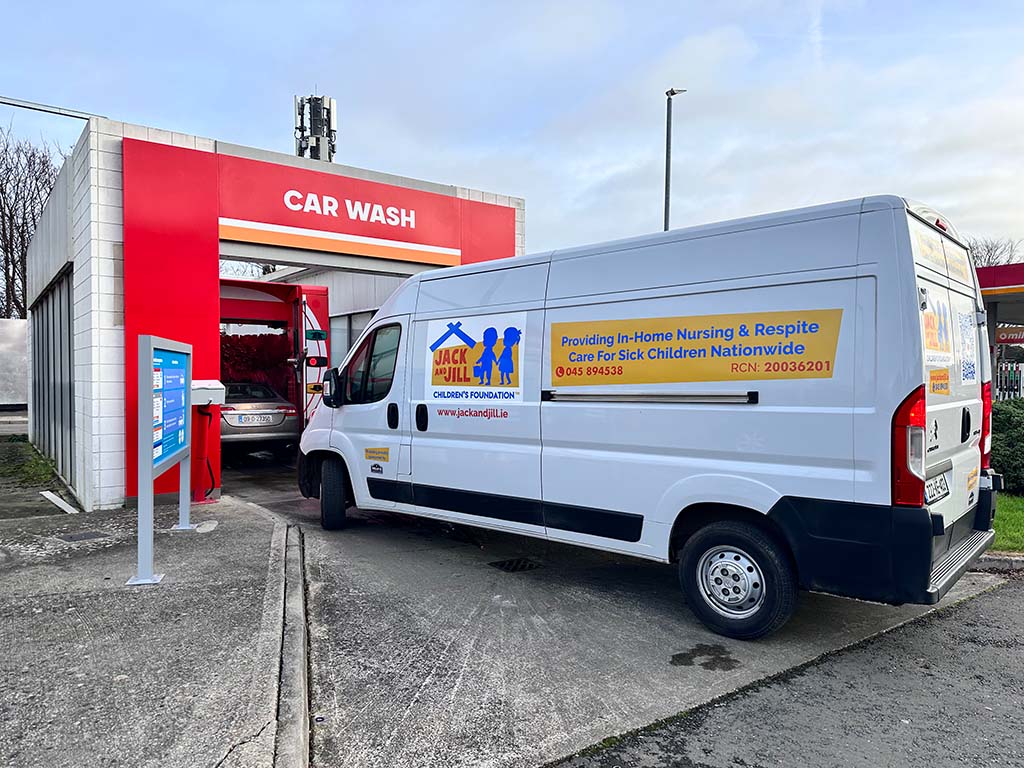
(392, 415)
(421, 417)
(965, 425)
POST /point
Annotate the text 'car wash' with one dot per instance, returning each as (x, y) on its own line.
(357, 210)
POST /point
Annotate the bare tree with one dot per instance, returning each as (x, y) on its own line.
(27, 174)
(993, 251)
(246, 269)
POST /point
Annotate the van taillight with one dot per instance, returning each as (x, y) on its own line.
(908, 451)
(986, 425)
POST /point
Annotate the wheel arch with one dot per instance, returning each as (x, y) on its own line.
(696, 516)
(310, 469)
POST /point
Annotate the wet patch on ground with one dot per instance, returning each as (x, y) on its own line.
(710, 656)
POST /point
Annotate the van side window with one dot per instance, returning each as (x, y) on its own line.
(382, 362)
(369, 374)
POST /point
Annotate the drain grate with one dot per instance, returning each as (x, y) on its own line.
(516, 565)
(84, 536)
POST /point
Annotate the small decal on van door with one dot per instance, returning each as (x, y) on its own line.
(667, 350)
(377, 454)
(938, 381)
(476, 358)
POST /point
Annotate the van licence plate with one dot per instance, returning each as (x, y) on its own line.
(255, 418)
(935, 488)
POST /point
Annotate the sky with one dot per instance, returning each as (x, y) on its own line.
(788, 102)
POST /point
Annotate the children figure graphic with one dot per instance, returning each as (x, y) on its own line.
(485, 364)
(506, 364)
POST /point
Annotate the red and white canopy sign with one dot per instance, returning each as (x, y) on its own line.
(1010, 334)
(298, 208)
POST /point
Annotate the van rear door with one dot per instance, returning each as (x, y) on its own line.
(952, 343)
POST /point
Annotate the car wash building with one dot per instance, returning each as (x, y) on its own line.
(131, 240)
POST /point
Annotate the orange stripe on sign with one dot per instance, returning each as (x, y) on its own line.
(999, 291)
(288, 240)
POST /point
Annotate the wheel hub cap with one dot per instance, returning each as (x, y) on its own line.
(731, 581)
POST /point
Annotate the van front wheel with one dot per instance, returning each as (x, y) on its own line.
(333, 494)
(737, 579)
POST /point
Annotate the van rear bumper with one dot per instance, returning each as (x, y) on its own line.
(879, 553)
(955, 563)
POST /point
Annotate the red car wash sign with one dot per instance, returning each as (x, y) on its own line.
(179, 204)
(298, 208)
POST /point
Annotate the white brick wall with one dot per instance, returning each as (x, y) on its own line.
(97, 244)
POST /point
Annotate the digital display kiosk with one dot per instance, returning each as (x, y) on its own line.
(165, 436)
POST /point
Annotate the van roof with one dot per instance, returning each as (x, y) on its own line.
(842, 208)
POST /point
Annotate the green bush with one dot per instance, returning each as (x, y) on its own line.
(1008, 443)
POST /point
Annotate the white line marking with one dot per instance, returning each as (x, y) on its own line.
(58, 502)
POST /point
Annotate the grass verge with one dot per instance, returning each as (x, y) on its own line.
(21, 464)
(1009, 523)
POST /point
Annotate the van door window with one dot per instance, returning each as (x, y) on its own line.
(382, 362)
(372, 368)
(355, 373)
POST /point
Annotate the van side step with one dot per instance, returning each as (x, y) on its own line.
(955, 562)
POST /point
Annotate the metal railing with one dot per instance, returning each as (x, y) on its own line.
(1008, 381)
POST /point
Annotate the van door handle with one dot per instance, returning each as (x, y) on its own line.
(392, 415)
(421, 417)
(965, 425)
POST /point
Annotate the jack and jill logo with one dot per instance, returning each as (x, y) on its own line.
(480, 353)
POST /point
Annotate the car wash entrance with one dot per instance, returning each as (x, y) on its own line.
(143, 218)
(273, 355)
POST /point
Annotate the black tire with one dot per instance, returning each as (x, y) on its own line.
(333, 494)
(744, 559)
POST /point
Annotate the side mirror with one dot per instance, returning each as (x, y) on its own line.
(334, 388)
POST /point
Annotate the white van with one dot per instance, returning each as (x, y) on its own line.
(796, 400)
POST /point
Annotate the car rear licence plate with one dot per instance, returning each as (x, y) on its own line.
(936, 488)
(255, 418)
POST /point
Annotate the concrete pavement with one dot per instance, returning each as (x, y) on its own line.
(942, 692)
(428, 644)
(180, 674)
(423, 653)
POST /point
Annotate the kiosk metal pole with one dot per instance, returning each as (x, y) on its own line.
(185, 494)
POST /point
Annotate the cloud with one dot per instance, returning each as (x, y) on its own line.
(788, 104)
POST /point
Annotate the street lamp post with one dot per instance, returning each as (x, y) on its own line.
(668, 147)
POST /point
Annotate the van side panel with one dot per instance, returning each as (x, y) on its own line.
(476, 443)
(655, 458)
(822, 243)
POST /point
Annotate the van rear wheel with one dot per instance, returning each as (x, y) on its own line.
(333, 494)
(737, 579)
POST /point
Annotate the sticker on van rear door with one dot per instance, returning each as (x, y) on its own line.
(938, 332)
(478, 359)
(667, 350)
(968, 338)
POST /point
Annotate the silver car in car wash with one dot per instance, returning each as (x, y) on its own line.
(255, 417)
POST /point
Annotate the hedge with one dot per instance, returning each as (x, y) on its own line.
(1008, 443)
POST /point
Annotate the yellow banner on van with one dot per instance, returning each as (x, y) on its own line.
(669, 350)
